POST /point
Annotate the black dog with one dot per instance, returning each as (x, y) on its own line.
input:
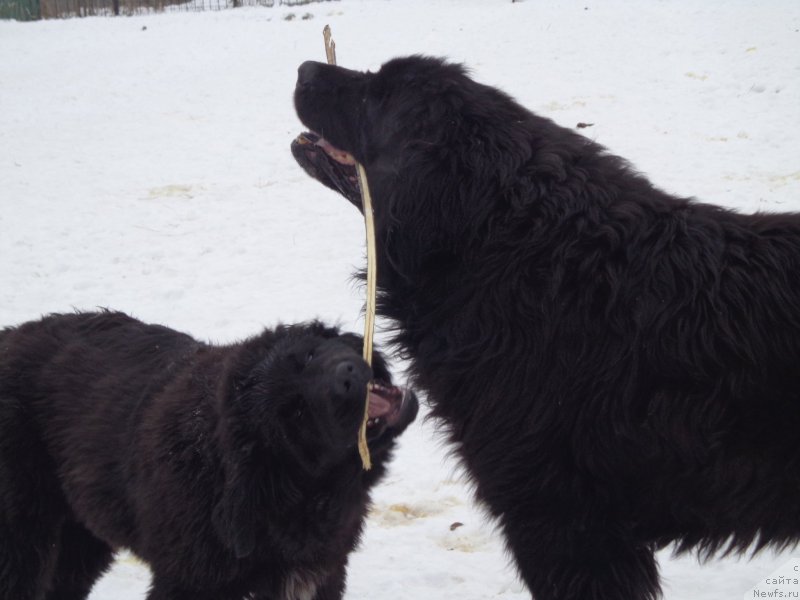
(618, 368)
(232, 470)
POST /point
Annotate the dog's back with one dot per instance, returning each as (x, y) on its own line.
(69, 357)
(71, 390)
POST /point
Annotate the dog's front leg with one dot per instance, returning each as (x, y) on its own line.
(578, 563)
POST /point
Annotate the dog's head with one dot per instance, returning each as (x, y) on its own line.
(291, 408)
(300, 393)
(308, 397)
(438, 147)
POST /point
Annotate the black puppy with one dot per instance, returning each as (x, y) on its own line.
(619, 368)
(231, 470)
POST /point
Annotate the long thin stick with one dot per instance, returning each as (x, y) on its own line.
(369, 320)
(330, 45)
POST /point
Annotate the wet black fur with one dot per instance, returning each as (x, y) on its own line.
(618, 367)
(231, 470)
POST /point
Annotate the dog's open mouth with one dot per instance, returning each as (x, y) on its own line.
(328, 164)
(389, 407)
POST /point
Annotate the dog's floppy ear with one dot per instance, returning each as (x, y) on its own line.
(234, 515)
(236, 510)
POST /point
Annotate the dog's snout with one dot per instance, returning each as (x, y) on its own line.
(307, 72)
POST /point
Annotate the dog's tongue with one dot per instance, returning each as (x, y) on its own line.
(339, 156)
(378, 405)
(314, 139)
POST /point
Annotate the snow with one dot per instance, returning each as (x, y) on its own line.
(145, 167)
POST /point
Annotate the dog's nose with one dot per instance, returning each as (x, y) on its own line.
(307, 72)
(347, 377)
(350, 378)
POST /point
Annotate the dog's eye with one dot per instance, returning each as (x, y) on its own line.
(309, 356)
(298, 413)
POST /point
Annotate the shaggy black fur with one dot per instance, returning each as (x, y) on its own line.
(232, 470)
(618, 368)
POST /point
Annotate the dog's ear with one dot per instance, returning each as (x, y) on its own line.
(235, 513)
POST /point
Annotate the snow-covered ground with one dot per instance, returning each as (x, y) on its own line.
(144, 166)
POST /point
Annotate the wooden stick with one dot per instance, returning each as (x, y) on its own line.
(330, 45)
(372, 270)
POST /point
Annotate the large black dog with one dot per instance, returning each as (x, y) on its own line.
(618, 368)
(232, 470)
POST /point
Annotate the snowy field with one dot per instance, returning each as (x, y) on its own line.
(144, 166)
